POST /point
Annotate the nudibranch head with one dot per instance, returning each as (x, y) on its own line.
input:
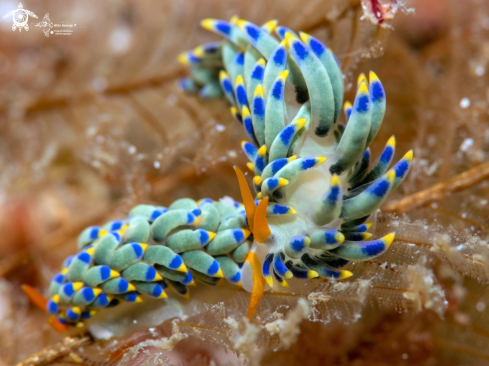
(315, 186)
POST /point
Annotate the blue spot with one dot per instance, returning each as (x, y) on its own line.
(279, 266)
(401, 168)
(250, 150)
(85, 315)
(204, 237)
(266, 265)
(329, 237)
(239, 58)
(116, 225)
(87, 294)
(278, 164)
(71, 315)
(249, 126)
(59, 278)
(157, 291)
(260, 163)
(101, 301)
(308, 163)
(259, 107)
(94, 232)
(196, 212)
(317, 47)
(163, 284)
(238, 235)
(68, 289)
(117, 236)
(279, 57)
(297, 243)
(227, 86)
(348, 112)
(258, 72)
(280, 209)
(176, 262)
(300, 50)
(277, 90)
(381, 188)
(205, 200)
(213, 268)
(68, 261)
(287, 134)
(332, 274)
(281, 32)
(188, 278)
(123, 285)
(362, 104)
(236, 277)
(193, 59)
(223, 27)
(362, 228)
(334, 193)
(272, 183)
(52, 307)
(374, 249)
(150, 274)
(190, 218)
(155, 214)
(387, 155)
(61, 320)
(253, 31)
(104, 273)
(130, 297)
(241, 95)
(84, 257)
(138, 250)
(377, 91)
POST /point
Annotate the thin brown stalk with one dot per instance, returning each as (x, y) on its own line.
(439, 191)
(60, 349)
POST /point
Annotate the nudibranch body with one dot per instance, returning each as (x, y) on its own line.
(314, 173)
(315, 185)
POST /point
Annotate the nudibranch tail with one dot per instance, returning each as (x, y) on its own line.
(314, 185)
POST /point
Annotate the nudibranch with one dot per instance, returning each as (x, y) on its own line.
(315, 185)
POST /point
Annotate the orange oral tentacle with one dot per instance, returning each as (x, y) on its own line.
(258, 284)
(248, 201)
(35, 297)
(261, 228)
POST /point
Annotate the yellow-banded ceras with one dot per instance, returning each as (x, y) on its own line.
(313, 176)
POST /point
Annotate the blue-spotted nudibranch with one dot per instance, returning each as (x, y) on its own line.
(315, 185)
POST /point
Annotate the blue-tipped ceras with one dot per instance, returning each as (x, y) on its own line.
(315, 186)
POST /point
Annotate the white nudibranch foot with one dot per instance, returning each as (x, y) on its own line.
(315, 185)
